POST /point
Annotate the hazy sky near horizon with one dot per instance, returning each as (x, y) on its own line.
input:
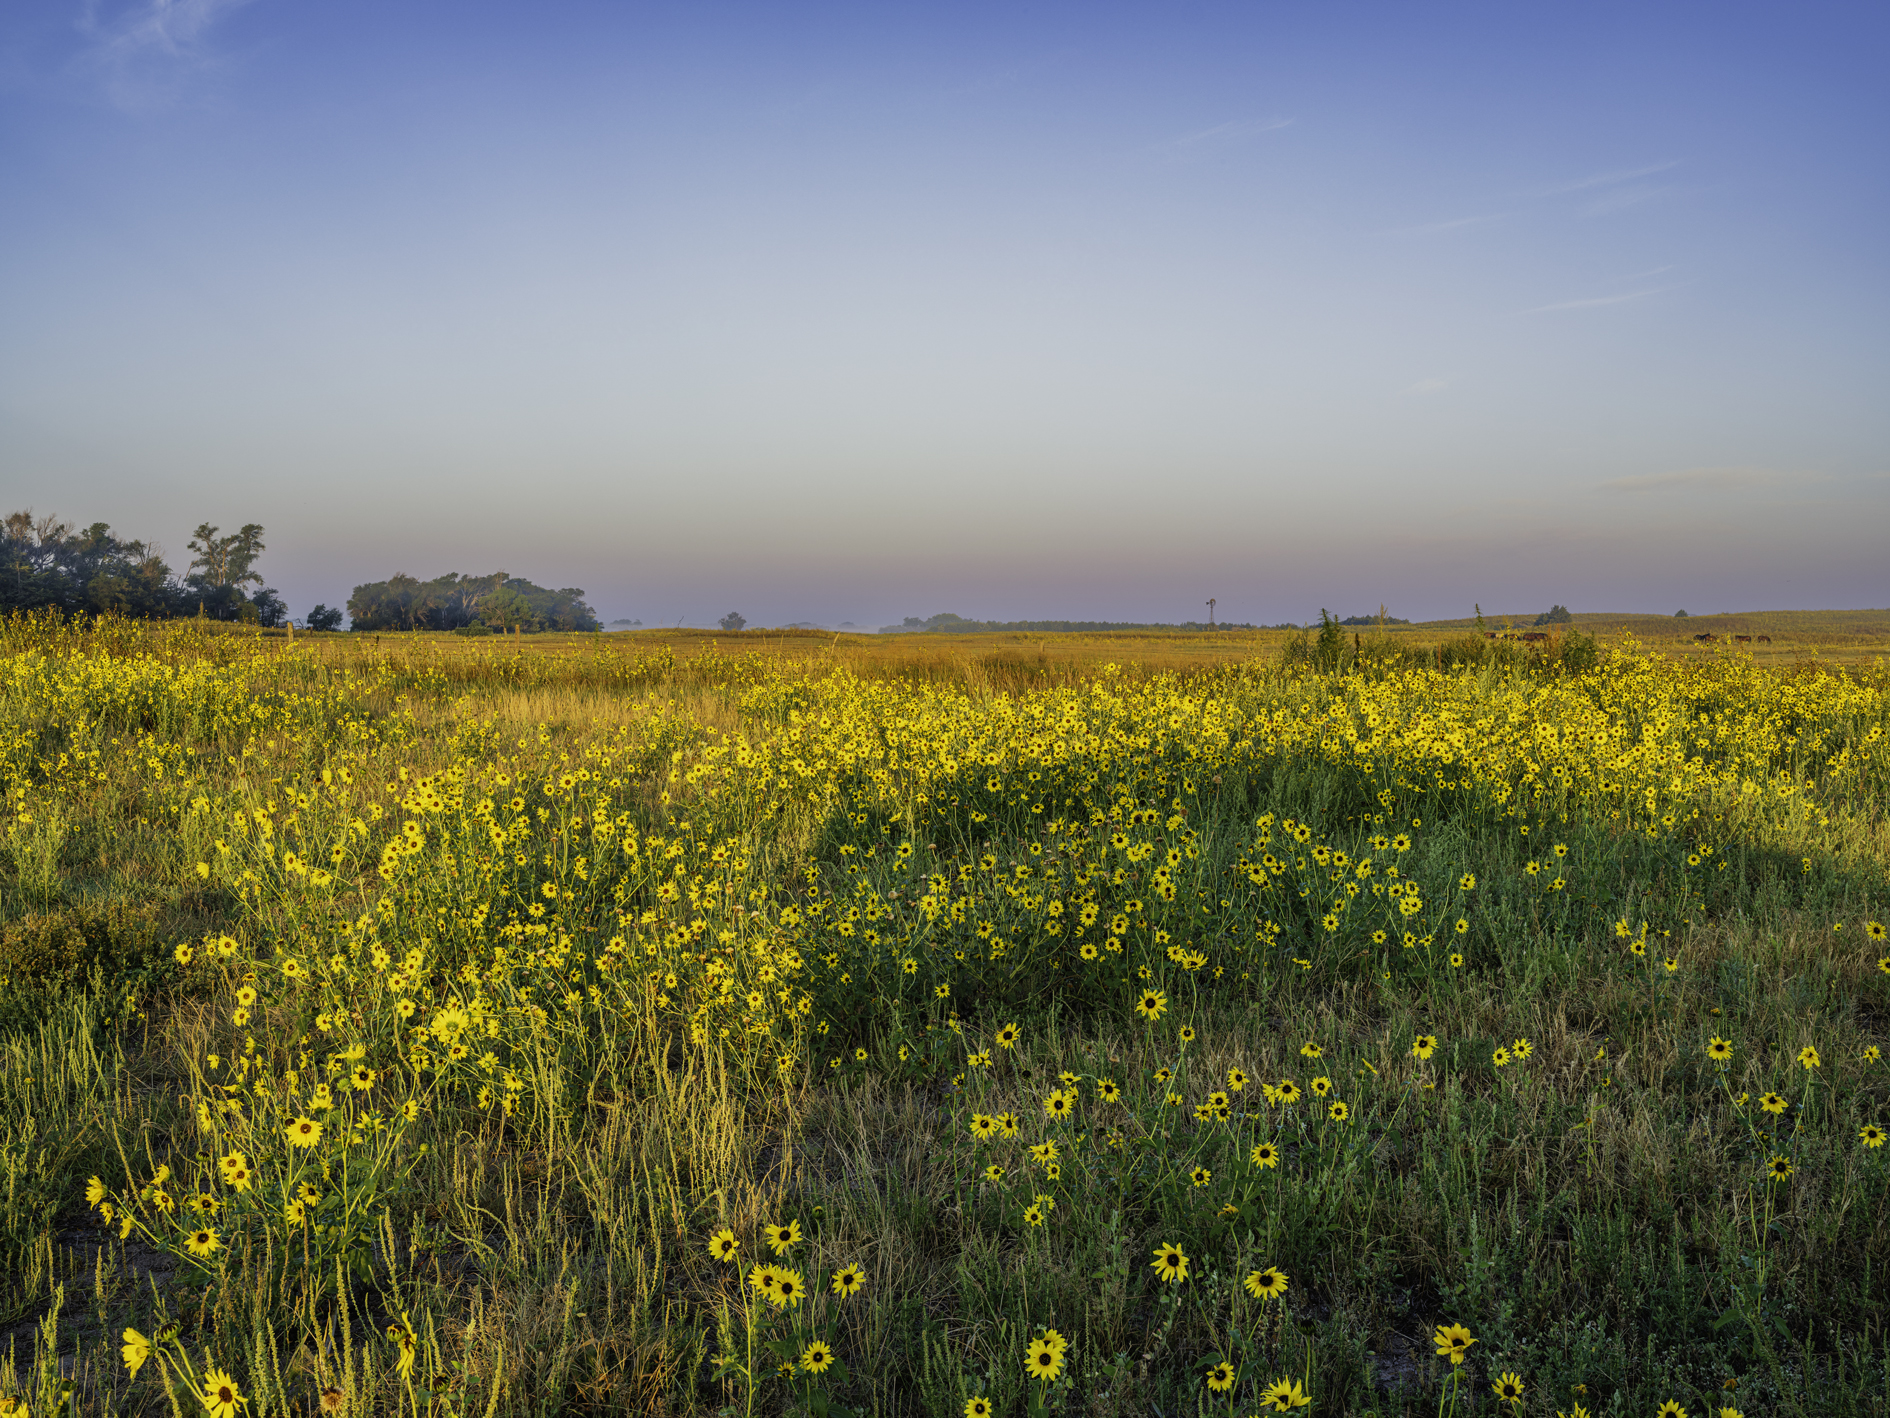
(851, 312)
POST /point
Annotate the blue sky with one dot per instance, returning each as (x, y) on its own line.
(827, 312)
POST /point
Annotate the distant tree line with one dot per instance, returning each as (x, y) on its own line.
(948, 623)
(477, 604)
(48, 564)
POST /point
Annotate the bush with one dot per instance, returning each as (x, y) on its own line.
(63, 947)
(1580, 652)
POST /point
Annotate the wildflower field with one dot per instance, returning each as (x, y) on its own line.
(437, 1027)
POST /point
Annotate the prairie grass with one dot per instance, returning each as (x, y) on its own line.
(417, 1014)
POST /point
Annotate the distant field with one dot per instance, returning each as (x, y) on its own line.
(1018, 659)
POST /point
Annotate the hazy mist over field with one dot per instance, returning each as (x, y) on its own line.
(828, 312)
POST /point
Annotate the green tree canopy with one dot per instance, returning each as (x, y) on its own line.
(454, 601)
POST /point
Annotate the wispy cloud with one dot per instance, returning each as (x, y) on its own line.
(1592, 301)
(1606, 179)
(1710, 480)
(1621, 198)
(1455, 224)
(1428, 386)
(146, 51)
(1222, 135)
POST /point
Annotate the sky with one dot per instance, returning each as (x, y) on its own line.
(825, 312)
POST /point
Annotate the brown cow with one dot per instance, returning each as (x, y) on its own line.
(1765, 640)
(1704, 637)
(1742, 639)
(1535, 635)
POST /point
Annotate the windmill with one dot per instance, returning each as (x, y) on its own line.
(1210, 606)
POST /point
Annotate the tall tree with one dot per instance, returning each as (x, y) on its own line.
(45, 563)
(222, 567)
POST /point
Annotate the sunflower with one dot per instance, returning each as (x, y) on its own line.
(1108, 1090)
(1287, 1092)
(1453, 1342)
(788, 1288)
(1719, 1050)
(1264, 1154)
(1808, 1056)
(761, 1279)
(1286, 1395)
(1008, 1124)
(1200, 1176)
(1268, 1284)
(1033, 1215)
(1151, 1005)
(1170, 1263)
(994, 1173)
(1778, 1169)
(1500, 1058)
(848, 1280)
(1772, 1103)
(1043, 1360)
(203, 1241)
(1338, 1112)
(978, 1408)
(220, 1396)
(1509, 1388)
(1670, 1409)
(723, 1246)
(1236, 1080)
(982, 1127)
(781, 1239)
(1220, 1377)
(1424, 1046)
(816, 1358)
(1872, 1135)
(136, 1350)
(303, 1132)
(1057, 1105)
